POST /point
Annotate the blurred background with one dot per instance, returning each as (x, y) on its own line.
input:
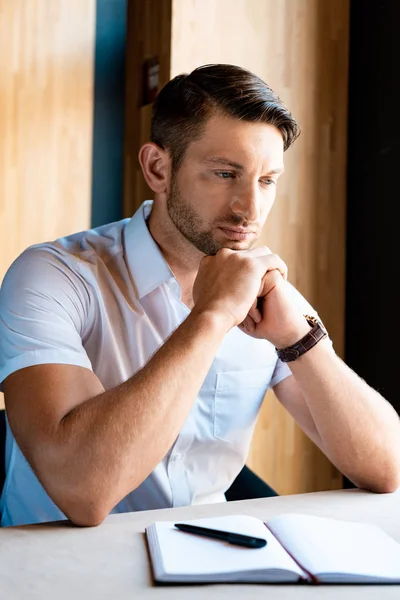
(77, 81)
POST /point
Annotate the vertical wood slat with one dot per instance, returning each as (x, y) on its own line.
(46, 106)
(46, 111)
(300, 47)
(148, 36)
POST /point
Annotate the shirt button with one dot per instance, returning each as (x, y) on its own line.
(176, 457)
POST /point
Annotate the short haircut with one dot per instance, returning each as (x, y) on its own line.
(183, 106)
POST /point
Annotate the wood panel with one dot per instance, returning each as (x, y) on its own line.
(148, 36)
(300, 47)
(46, 108)
(313, 204)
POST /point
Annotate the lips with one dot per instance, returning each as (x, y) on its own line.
(237, 233)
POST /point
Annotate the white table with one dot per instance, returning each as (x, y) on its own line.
(60, 561)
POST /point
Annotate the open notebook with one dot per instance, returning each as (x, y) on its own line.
(299, 548)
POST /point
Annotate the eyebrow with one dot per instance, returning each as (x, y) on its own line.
(220, 160)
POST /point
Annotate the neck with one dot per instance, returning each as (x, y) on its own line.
(182, 257)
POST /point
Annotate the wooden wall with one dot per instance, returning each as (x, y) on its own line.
(148, 35)
(300, 47)
(46, 107)
(307, 226)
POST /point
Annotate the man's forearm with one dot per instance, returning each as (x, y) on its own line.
(113, 441)
(359, 429)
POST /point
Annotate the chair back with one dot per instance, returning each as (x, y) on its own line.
(248, 485)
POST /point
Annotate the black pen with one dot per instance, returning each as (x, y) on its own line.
(237, 539)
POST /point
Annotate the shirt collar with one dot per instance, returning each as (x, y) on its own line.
(146, 263)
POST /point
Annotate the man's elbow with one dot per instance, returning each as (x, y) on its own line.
(387, 482)
(85, 513)
(83, 505)
(88, 506)
(390, 484)
(390, 480)
(83, 498)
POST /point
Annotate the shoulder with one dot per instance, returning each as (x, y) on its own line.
(40, 267)
(100, 242)
(67, 259)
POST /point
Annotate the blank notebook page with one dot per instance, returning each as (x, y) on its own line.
(184, 553)
(325, 545)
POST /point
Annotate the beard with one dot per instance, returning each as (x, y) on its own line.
(191, 226)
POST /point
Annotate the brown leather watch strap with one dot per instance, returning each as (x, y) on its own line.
(315, 335)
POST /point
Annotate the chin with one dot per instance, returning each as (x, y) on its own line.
(237, 245)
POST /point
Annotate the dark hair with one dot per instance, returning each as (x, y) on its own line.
(184, 104)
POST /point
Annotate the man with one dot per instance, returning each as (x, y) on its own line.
(135, 357)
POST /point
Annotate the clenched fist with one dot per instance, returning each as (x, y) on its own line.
(248, 288)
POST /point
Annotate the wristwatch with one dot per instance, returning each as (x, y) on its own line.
(315, 335)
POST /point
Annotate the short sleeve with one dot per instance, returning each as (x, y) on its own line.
(44, 309)
(282, 370)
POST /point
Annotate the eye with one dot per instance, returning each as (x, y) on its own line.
(225, 174)
(268, 182)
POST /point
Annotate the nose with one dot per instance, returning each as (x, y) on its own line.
(246, 203)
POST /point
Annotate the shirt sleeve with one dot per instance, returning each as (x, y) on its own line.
(282, 370)
(44, 309)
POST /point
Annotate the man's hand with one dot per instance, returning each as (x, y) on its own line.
(249, 289)
(274, 316)
(229, 283)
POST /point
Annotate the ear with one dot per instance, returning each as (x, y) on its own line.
(155, 163)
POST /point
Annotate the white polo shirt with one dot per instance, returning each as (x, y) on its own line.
(105, 299)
